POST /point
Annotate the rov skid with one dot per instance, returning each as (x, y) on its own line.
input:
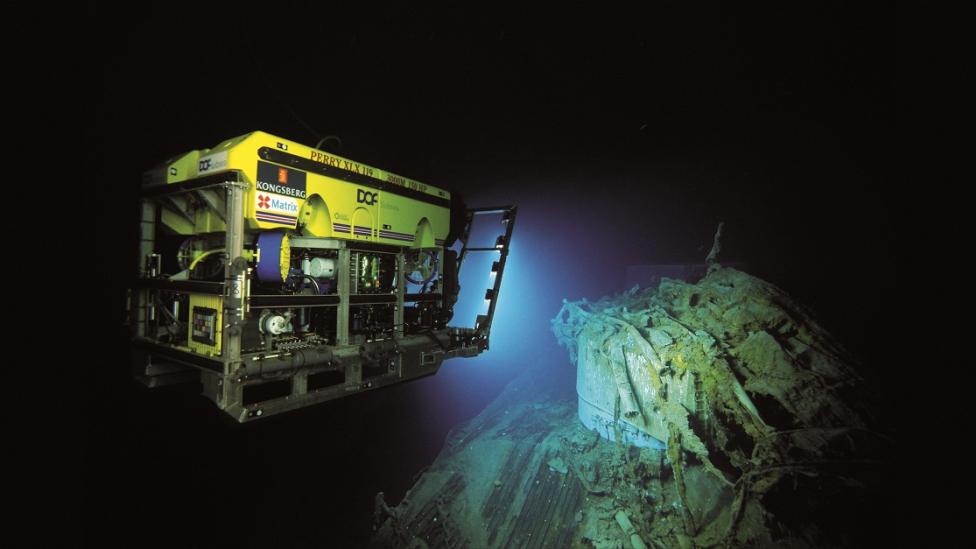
(282, 276)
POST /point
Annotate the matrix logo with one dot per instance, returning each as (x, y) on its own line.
(277, 203)
(366, 197)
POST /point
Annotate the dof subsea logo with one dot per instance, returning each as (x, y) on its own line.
(366, 197)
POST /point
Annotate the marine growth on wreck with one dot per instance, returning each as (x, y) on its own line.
(709, 414)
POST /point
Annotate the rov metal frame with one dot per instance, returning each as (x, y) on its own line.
(225, 377)
(483, 322)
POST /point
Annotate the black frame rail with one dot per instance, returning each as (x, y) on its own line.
(483, 322)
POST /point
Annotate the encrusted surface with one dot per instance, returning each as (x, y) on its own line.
(768, 432)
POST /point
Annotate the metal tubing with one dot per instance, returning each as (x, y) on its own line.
(400, 291)
(291, 361)
(235, 272)
(344, 278)
(147, 245)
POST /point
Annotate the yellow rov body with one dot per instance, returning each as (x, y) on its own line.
(281, 276)
(321, 194)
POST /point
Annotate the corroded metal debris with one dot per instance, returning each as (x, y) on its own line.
(765, 434)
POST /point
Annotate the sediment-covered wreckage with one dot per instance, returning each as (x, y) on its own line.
(716, 413)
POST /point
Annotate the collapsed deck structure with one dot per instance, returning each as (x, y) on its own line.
(709, 414)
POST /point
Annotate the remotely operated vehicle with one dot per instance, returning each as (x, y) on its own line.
(282, 276)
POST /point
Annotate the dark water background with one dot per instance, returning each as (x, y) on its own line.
(624, 138)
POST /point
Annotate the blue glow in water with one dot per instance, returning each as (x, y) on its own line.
(484, 248)
(551, 257)
(475, 279)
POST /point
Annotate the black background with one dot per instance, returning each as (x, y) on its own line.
(624, 136)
